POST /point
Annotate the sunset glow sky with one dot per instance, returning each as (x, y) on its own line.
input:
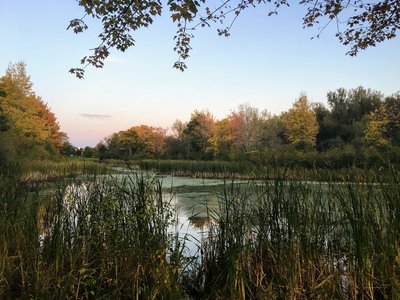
(266, 62)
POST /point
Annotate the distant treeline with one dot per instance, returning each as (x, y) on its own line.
(360, 126)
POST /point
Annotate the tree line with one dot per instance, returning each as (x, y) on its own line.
(355, 120)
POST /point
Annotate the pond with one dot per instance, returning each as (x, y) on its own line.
(195, 201)
(337, 231)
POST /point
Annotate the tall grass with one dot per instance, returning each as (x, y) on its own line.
(109, 237)
(197, 168)
(87, 238)
(48, 170)
(298, 240)
(19, 207)
(256, 166)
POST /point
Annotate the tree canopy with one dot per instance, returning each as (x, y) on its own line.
(25, 120)
(301, 124)
(359, 24)
(356, 121)
(143, 140)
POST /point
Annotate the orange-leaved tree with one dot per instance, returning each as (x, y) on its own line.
(26, 113)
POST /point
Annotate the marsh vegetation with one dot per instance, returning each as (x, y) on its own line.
(120, 236)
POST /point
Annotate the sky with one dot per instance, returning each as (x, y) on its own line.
(267, 62)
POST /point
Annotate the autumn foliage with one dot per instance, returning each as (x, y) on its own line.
(356, 121)
(301, 124)
(26, 121)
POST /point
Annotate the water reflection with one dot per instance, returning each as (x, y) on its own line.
(193, 215)
(199, 222)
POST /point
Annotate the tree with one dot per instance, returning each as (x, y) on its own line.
(272, 133)
(376, 133)
(325, 132)
(121, 145)
(222, 139)
(67, 148)
(88, 152)
(383, 124)
(101, 150)
(365, 23)
(301, 124)
(16, 82)
(349, 111)
(198, 135)
(4, 126)
(23, 112)
(177, 129)
(392, 104)
(174, 146)
(246, 127)
(151, 139)
(137, 140)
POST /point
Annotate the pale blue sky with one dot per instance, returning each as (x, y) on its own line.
(266, 62)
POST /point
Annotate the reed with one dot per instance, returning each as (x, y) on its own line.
(19, 243)
(88, 237)
(95, 236)
(48, 170)
(300, 240)
(194, 168)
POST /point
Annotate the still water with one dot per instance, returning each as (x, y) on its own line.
(195, 201)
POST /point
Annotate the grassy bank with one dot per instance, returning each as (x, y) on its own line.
(106, 237)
